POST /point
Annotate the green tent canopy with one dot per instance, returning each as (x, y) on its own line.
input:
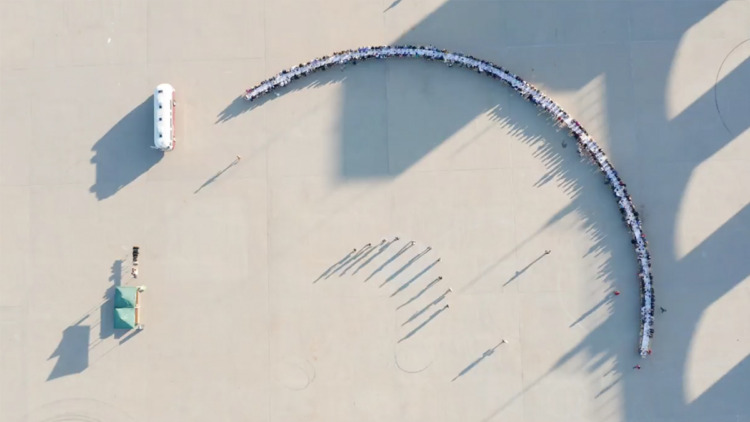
(125, 318)
(125, 297)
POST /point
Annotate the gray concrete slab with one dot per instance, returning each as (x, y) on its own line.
(256, 311)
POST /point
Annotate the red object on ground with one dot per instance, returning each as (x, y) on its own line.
(617, 293)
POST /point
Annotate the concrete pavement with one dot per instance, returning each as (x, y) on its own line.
(236, 326)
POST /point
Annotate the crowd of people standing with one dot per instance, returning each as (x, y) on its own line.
(586, 144)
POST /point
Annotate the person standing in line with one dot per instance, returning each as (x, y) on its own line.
(134, 270)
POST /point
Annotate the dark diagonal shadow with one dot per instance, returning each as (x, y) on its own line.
(487, 353)
(421, 292)
(419, 274)
(601, 303)
(427, 321)
(361, 257)
(556, 217)
(405, 266)
(380, 251)
(329, 269)
(607, 388)
(356, 255)
(394, 4)
(391, 259)
(130, 335)
(428, 306)
(524, 269)
(240, 105)
(217, 175)
(628, 49)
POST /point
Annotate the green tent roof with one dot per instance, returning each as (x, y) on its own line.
(124, 318)
(125, 297)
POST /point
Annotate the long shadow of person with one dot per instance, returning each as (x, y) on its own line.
(394, 4)
(487, 353)
(217, 175)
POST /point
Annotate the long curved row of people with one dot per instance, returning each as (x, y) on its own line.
(586, 145)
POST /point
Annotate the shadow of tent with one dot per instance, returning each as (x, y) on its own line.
(72, 353)
(124, 152)
(106, 309)
(106, 318)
